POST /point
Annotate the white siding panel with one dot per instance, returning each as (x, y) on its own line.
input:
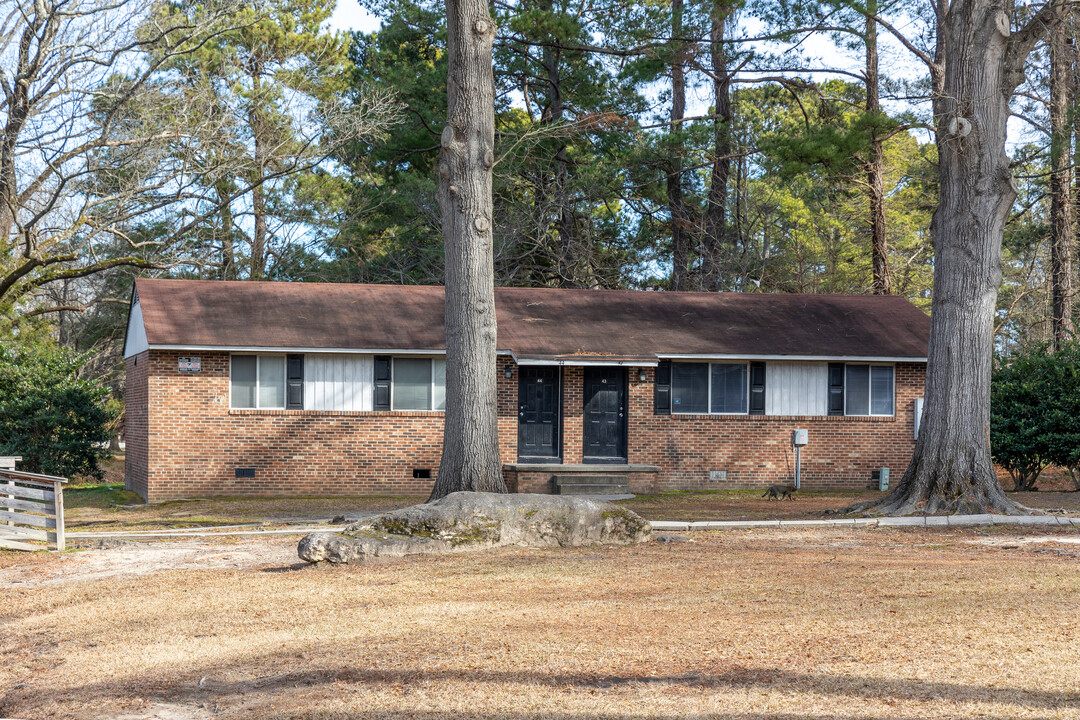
(338, 382)
(796, 388)
(136, 333)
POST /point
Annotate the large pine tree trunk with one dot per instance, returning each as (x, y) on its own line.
(257, 264)
(470, 458)
(875, 170)
(977, 68)
(680, 238)
(226, 270)
(568, 259)
(716, 212)
(1061, 205)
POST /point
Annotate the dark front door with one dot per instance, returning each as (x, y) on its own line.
(605, 415)
(538, 414)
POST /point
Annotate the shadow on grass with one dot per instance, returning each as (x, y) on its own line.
(99, 495)
(295, 567)
(280, 688)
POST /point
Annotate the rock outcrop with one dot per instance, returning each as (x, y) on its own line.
(466, 521)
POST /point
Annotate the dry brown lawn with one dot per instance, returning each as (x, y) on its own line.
(853, 623)
(107, 509)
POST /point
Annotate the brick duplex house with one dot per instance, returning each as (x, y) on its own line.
(267, 388)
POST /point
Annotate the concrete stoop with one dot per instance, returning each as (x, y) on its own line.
(598, 484)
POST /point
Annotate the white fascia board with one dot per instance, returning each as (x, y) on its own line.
(801, 358)
(583, 363)
(329, 351)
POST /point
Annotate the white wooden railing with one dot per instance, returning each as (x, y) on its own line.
(31, 510)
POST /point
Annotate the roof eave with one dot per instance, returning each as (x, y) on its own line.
(799, 358)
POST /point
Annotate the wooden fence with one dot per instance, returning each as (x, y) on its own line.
(31, 510)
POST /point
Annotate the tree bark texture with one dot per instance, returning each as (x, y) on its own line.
(1061, 201)
(568, 259)
(41, 28)
(470, 458)
(258, 200)
(227, 269)
(1071, 21)
(680, 239)
(978, 65)
(716, 212)
(875, 168)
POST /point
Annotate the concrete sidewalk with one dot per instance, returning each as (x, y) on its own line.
(917, 521)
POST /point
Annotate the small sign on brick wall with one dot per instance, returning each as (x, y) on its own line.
(718, 475)
(189, 364)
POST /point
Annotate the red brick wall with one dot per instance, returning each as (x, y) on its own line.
(135, 419)
(508, 409)
(194, 443)
(755, 450)
(191, 443)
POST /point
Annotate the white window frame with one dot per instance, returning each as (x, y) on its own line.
(708, 387)
(258, 380)
(870, 391)
(393, 383)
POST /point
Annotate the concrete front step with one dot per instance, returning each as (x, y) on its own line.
(582, 484)
(583, 489)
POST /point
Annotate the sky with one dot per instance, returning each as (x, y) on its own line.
(350, 16)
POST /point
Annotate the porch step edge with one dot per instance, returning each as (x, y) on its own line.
(592, 489)
(583, 479)
(590, 468)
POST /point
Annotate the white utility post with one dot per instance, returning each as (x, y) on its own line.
(798, 439)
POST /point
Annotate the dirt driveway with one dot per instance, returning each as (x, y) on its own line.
(126, 559)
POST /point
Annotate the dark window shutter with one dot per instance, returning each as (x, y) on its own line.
(662, 388)
(382, 382)
(836, 388)
(757, 388)
(294, 382)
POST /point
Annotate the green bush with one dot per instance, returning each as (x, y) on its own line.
(52, 417)
(1035, 413)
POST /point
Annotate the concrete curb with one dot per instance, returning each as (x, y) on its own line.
(916, 521)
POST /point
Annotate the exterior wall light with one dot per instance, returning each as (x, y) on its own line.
(508, 372)
(641, 375)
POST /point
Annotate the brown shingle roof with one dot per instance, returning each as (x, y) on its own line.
(533, 322)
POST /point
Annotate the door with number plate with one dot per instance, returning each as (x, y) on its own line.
(604, 430)
(539, 421)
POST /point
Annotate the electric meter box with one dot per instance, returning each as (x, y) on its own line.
(799, 437)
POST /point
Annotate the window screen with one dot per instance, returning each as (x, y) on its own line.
(271, 381)
(412, 383)
(439, 401)
(690, 387)
(243, 377)
(728, 388)
(857, 390)
(881, 390)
